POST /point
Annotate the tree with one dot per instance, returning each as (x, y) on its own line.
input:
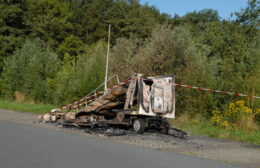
(168, 51)
(12, 27)
(250, 15)
(250, 18)
(29, 69)
(48, 20)
(71, 45)
(124, 60)
(204, 16)
(78, 78)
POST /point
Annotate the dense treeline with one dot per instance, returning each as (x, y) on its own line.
(67, 26)
(53, 51)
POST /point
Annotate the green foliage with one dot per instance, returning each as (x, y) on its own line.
(29, 69)
(132, 18)
(236, 115)
(11, 27)
(250, 15)
(48, 20)
(124, 59)
(203, 16)
(79, 77)
(71, 45)
(35, 72)
(237, 59)
(168, 51)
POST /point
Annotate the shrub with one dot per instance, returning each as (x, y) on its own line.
(236, 115)
(257, 116)
(78, 77)
(28, 70)
(169, 51)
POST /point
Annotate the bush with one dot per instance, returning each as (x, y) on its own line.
(28, 70)
(236, 115)
(35, 74)
(169, 51)
(257, 116)
(79, 77)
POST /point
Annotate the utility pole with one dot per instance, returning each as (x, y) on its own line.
(108, 49)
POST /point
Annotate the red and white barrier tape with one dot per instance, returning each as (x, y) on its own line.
(217, 91)
(89, 99)
(210, 90)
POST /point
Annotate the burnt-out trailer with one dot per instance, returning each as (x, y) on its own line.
(142, 103)
(149, 102)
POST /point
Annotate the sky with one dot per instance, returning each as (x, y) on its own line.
(181, 7)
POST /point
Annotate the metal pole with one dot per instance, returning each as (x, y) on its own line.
(117, 77)
(108, 48)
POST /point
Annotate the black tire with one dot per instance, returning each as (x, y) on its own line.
(139, 125)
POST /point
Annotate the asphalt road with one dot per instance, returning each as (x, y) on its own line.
(23, 146)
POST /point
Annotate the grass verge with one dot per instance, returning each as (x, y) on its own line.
(206, 128)
(32, 108)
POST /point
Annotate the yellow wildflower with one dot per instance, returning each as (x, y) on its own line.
(240, 103)
(224, 124)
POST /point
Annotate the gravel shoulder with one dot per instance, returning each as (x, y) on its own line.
(223, 150)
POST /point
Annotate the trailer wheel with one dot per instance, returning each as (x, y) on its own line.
(139, 125)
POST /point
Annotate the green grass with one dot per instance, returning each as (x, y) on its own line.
(206, 128)
(32, 108)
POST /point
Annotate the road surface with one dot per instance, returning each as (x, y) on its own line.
(25, 146)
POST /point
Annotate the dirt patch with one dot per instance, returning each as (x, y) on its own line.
(216, 149)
